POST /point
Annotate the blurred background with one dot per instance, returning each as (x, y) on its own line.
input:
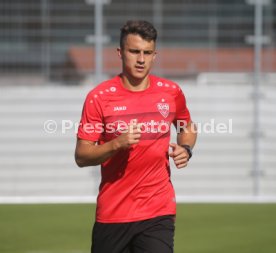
(221, 52)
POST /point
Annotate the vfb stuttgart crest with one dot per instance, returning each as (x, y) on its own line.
(164, 109)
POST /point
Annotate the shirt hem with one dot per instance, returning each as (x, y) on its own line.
(133, 219)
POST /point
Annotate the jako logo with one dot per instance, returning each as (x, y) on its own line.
(119, 108)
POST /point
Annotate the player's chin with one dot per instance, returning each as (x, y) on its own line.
(139, 75)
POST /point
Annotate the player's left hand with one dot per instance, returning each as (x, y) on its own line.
(179, 155)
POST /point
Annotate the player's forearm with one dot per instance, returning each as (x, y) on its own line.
(90, 155)
(188, 136)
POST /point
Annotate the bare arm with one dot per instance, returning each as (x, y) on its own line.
(185, 137)
(88, 153)
(188, 135)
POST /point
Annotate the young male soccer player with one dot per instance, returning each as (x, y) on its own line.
(125, 127)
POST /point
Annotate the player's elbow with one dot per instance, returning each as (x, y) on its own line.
(79, 160)
(84, 153)
(79, 163)
(84, 161)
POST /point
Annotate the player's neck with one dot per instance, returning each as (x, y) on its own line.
(135, 84)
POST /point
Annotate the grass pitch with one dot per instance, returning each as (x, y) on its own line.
(200, 228)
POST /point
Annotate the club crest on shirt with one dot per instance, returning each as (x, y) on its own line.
(164, 109)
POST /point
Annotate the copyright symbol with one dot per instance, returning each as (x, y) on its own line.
(50, 126)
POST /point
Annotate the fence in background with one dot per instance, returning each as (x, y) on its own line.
(55, 39)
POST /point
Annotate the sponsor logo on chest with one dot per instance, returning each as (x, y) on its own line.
(164, 109)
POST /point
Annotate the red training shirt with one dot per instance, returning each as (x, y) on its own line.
(135, 182)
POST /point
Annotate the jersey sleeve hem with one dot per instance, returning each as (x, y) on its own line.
(88, 138)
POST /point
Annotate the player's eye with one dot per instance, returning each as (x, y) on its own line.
(134, 51)
(148, 52)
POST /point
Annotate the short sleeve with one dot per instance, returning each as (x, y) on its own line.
(91, 123)
(181, 112)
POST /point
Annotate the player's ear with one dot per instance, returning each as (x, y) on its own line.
(119, 51)
(154, 55)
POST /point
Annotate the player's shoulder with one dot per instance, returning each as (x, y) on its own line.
(105, 89)
(165, 85)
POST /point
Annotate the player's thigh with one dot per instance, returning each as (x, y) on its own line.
(159, 237)
(110, 238)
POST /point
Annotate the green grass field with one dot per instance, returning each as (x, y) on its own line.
(200, 228)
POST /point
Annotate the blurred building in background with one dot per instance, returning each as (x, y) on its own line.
(55, 39)
(221, 52)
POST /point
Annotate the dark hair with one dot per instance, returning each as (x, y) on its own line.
(140, 27)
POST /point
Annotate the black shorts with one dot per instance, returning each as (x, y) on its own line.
(149, 236)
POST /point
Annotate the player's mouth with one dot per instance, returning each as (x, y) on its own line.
(140, 68)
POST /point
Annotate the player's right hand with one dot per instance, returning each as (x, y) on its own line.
(130, 137)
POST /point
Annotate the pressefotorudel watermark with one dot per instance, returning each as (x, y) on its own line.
(119, 127)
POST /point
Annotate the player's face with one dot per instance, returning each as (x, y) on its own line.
(137, 56)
